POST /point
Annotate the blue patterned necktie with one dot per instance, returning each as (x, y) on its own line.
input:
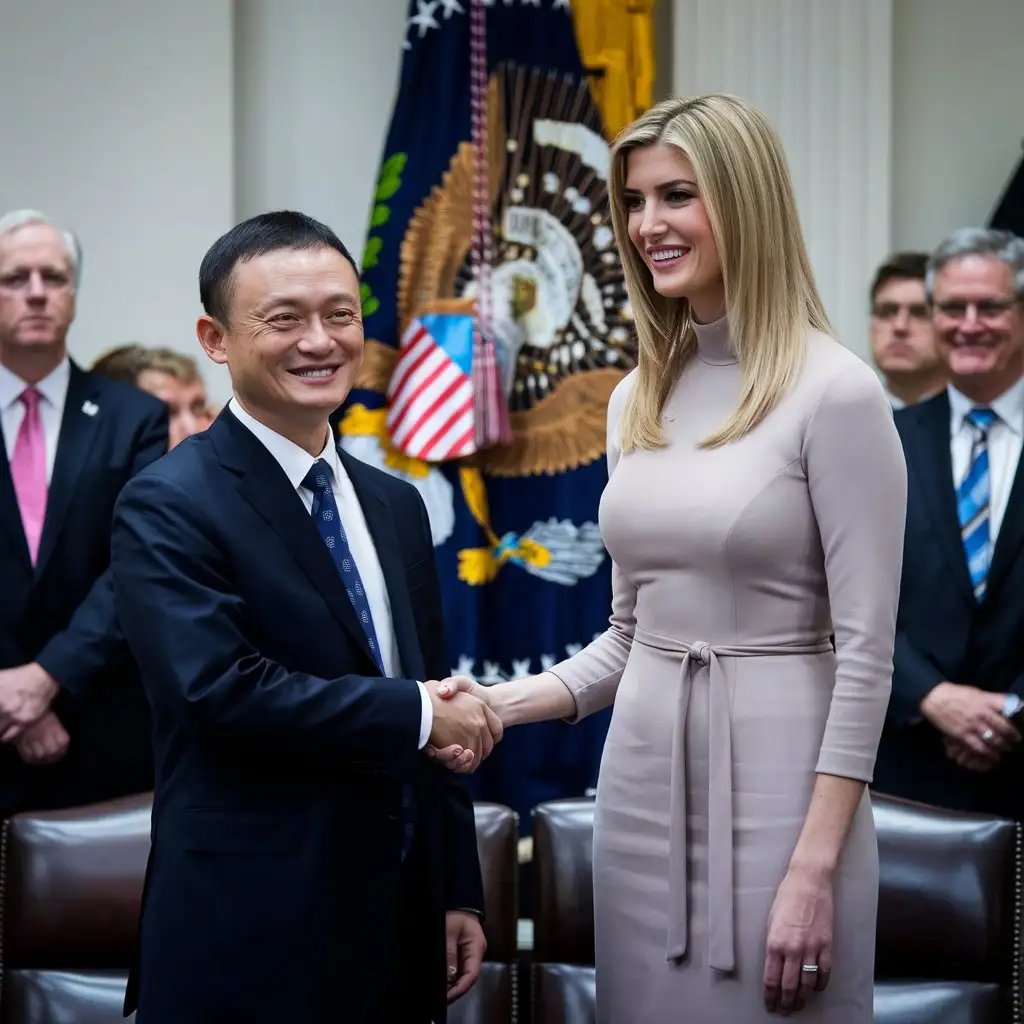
(972, 498)
(328, 522)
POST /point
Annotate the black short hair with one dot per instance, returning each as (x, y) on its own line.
(267, 232)
(900, 266)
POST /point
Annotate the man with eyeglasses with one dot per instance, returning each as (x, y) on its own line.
(74, 723)
(953, 735)
(902, 336)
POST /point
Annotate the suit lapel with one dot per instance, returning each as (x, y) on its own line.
(267, 489)
(1011, 535)
(74, 447)
(935, 465)
(10, 514)
(381, 522)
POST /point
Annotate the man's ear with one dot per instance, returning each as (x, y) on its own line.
(211, 334)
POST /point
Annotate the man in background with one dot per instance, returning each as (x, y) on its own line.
(902, 335)
(173, 377)
(74, 723)
(958, 663)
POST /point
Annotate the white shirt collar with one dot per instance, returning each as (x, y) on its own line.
(1009, 407)
(295, 461)
(53, 387)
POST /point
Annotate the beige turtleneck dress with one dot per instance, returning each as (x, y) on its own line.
(731, 568)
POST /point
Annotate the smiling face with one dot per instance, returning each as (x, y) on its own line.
(979, 325)
(669, 226)
(293, 342)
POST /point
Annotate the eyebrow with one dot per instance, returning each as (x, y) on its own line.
(665, 186)
(291, 300)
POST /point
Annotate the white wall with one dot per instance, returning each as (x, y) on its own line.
(116, 120)
(959, 113)
(316, 83)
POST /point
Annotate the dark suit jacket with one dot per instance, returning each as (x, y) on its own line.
(273, 881)
(60, 613)
(943, 633)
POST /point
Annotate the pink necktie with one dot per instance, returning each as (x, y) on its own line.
(28, 469)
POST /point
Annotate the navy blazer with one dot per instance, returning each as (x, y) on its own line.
(60, 612)
(943, 633)
(280, 751)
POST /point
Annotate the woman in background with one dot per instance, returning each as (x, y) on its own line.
(755, 506)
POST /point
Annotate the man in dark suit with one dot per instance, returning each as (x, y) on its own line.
(959, 656)
(309, 863)
(70, 440)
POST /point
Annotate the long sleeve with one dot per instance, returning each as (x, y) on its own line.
(92, 647)
(857, 478)
(592, 675)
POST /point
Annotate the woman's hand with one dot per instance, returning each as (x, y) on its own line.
(455, 758)
(799, 935)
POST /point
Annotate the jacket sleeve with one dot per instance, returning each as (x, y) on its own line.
(185, 622)
(92, 647)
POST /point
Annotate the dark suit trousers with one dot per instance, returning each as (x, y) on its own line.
(407, 984)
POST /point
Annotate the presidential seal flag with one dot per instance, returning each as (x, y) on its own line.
(497, 325)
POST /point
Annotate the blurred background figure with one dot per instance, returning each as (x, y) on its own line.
(171, 376)
(902, 335)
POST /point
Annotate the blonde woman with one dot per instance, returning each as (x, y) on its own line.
(755, 507)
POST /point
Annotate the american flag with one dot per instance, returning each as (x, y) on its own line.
(430, 394)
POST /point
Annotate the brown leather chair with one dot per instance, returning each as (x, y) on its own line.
(949, 922)
(949, 916)
(70, 884)
(493, 1000)
(70, 888)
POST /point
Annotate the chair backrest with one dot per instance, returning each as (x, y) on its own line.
(949, 920)
(70, 888)
(493, 999)
(949, 915)
(70, 892)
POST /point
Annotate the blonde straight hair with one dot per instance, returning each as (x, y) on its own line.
(771, 298)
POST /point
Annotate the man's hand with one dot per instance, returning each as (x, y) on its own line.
(455, 757)
(966, 758)
(466, 946)
(462, 720)
(25, 696)
(43, 743)
(971, 716)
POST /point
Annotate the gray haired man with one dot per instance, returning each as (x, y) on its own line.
(952, 738)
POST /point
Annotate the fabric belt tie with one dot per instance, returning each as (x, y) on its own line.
(721, 916)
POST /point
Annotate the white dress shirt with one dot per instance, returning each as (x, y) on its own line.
(1004, 446)
(54, 391)
(296, 463)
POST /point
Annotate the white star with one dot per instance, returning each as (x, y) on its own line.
(531, 3)
(560, 5)
(424, 19)
(520, 668)
(465, 666)
(450, 7)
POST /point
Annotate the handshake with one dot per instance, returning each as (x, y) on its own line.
(465, 727)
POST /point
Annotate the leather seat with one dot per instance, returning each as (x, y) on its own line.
(71, 884)
(949, 921)
(493, 999)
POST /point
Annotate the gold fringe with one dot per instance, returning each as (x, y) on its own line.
(564, 430)
(378, 365)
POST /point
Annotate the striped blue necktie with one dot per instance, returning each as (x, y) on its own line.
(972, 498)
(328, 522)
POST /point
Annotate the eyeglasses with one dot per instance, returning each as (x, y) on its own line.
(984, 309)
(891, 310)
